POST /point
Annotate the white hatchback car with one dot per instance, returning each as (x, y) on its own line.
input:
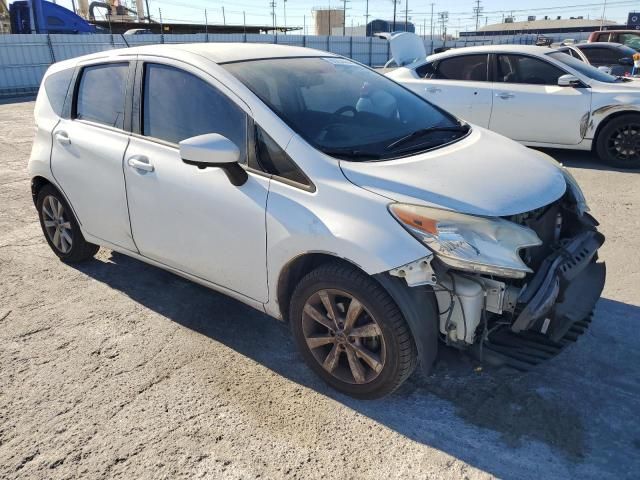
(320, 192)
(538, 96)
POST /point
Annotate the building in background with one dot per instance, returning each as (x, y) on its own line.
(328, 19)
(379, 26)
(544, 26)
(5, 25)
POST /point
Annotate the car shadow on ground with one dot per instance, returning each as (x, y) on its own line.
(581, 159)
(504, 403)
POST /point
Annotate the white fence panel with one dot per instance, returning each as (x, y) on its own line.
(25, 58)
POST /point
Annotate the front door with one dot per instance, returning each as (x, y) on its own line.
(86, 157)
(529, 106)
(194, 219)
(459, 85)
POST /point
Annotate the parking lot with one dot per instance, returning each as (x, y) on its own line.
(114, 368)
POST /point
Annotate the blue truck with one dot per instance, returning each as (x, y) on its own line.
(40, 16)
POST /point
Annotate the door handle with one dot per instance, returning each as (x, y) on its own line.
(433, 90)
(62, 137)
(505, 95)
(140, 162)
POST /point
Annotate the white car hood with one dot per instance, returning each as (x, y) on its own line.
(482, 174)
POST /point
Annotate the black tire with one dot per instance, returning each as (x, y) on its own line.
(399, 357)
(78, 249)
(618, 143)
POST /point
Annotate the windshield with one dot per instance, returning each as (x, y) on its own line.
(583, 68)
(347, 110)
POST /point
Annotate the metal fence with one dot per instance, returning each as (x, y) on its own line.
(25, 58)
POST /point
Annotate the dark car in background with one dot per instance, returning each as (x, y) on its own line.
(617, 57)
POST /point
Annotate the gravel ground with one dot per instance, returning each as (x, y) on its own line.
(118, 369)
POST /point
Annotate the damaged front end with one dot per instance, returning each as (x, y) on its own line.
(525, 312)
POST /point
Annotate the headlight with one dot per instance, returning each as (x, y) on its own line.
(576, 191)
(467, 242)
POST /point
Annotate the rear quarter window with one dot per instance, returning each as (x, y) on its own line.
(56, 86)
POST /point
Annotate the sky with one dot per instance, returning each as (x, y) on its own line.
(300, 12)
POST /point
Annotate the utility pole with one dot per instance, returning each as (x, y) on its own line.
(284, 11)
(406, 14)
(224, 19)
(444, 17)
(366, 18)
(244, 24)
(206, 24)
(344, 18)
(148, 11)
(604, 9)
(395, 3)
(273, 14)
(477, 10)
(432, 21)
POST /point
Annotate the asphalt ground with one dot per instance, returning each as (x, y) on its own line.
(115, 369)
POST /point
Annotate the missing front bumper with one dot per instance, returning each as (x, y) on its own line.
(564, 290)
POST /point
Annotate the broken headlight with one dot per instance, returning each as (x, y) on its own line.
(469, 242)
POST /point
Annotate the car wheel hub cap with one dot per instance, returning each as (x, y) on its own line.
(56, 224)
(343, 337)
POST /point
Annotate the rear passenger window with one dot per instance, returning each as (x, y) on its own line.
(528, 70)
(178, 105)
(466, 67)
(101, 94)
(56, 86)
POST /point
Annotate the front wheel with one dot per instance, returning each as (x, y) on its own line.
(350, 332)
(618, 144)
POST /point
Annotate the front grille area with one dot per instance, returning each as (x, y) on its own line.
(547, 222)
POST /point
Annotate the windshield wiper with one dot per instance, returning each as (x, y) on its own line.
(426, 131)
(351, 153)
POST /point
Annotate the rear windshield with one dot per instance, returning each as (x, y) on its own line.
(56, 86)
(345, 109)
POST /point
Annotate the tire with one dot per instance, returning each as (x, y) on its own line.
(618, 143)
(366, 355)
(56, 216)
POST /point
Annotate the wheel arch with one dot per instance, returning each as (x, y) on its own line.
(297, 268)
(37, 183)
(418, 305)
(606, 120)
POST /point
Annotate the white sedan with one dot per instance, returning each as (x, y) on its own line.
(538, 96)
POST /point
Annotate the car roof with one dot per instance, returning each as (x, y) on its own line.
(217, 52)
(599, 44)
(530, 49)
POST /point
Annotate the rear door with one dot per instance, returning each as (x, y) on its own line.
(459, 85)
(86, 157)
(529, 106)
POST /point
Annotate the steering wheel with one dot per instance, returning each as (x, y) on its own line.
(345, 109)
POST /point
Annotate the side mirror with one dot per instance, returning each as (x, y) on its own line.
(628, 61)
(569, 80)
(214, 150)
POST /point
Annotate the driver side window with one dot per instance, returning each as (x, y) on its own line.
(526, 70)
(178, 105)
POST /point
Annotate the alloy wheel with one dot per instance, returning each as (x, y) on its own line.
(624, 143)
(57, 224)
(343, 336)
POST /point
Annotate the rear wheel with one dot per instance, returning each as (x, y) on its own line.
(350, 332)
(618, 143)
(60, 227)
